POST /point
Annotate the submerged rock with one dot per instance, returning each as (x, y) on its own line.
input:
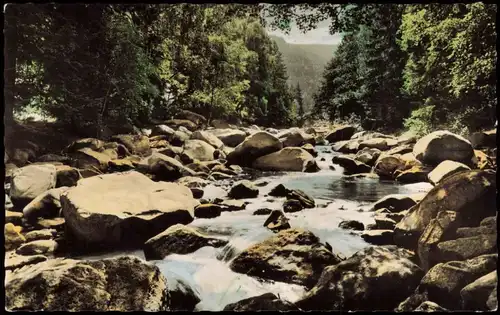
(352, 225)
(178, 239)
(118, 284)
(305, 200)
(359, 282)
(292, 205)
(279, 191)
(243, 189)
(277, 221)
(292, 256)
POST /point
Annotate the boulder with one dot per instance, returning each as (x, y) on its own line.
(384, 223)
(291, 256)
(178, 239)
(55, 223)
(207, 211)
(66, 176)
(262, 211)
(475, 295)
(347, 146)
(492, 301)
(443, 145)
(162, 167)
(279, 191)
(350, 165)
(287, 159)
(234, 205)
(13, 236)
(466, 248)
(292, 205)
(352, 225)
(90, 143)
(14, 261)
(484, 139)
(310, 149)
(394, 203)
(259, 144)
(135, 144)
(198, 150)
(367, 156)
(37, 247)
(198, 167)
(159, 142)
(176, 123)
(429, 306)
(230, 137)
(218, 123)
(382, 144)
(340, 134)
(475, 231)
(191, 116)
(162, 130)
(208, 138)
(444, 169)
(378, 237)
(386, 166)
(53, 158)
(45, 234)
(470, 193)
(305, 200)
(87, 158)
(243, 189)
(264, 302)
(482, 161)
(182, 296)
(439, 229)
(118, 284)
(219, 176)
(443, 282)
(295, 137)
(45, 205)
(359, 282)
(416, 174)
(133, 209)
(15, 218)
(277, 221)
(400, 149)
(30, 181)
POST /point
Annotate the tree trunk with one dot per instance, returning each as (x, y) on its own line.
(10, 55)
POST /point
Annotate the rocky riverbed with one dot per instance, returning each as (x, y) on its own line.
(188, 217)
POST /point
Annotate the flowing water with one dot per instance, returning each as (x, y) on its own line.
(207, 271)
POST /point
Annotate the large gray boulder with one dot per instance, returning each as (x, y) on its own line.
(230, 137)
(132, 209)
(340, 134)
(198, 150)
(444, 169)
(443, 145)
(360, 282)
(472, 194)
(136, 144)
(208, 137)
(163, 167)
(292, 256)
(259, 144)
(118, 284)
(295, 137)
(287, 159)
(178, 239)
(30, 181)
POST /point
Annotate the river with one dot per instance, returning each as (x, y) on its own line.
(207, 271)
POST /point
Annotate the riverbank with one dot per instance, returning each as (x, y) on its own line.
(344, 203)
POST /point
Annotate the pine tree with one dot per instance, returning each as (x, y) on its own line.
(299, 98)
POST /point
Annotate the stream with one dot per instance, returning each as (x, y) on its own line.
(207, 271)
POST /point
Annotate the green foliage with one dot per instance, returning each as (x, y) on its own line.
(421, 121)
(452, 57)
(99, 65)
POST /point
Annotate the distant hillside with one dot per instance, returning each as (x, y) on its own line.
(305, 64)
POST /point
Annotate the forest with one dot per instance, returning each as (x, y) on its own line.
(398, 66)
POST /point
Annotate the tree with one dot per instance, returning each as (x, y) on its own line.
(300, 101)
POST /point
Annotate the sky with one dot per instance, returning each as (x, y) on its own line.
(320, 35)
